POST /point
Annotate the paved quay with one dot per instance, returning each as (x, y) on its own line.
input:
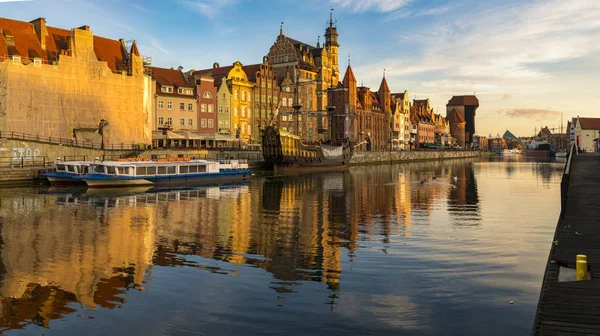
(573, 307)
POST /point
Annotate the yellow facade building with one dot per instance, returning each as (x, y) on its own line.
(240, 103)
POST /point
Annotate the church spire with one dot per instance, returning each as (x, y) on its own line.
(281, 28)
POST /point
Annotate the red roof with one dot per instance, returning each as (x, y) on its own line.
(590, 123)
(463, 100)
(349, 76)
(169, 77)
(251, 71)
(384, 85)
(27, 44)
(111, 52)
(399, 96)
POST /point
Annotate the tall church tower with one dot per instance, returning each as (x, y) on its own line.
(331, 43)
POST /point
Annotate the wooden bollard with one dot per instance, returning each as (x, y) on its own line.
(581, 267)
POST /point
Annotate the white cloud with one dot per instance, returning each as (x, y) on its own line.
(371, 5)
(399, 14)
(209, 8)
(507, 42)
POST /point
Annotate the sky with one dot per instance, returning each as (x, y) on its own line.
(528, 62)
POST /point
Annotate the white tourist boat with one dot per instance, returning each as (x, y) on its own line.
(136, 172)
(514, 151)
(67, 172)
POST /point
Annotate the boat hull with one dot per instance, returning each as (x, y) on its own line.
(107, 181)
(542, 154)
(63, 179)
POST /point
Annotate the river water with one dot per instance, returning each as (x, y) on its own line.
(368, 251)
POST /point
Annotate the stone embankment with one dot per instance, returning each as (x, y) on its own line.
(22, 161)
(409, 156)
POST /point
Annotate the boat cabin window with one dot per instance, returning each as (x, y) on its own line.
(112, 169)
(171, 170)
(162, 170)
(140, 171)
(184, 169)
(60, 167)
(151, 171)
(99, 169)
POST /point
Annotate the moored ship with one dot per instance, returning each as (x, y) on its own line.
(286, 152)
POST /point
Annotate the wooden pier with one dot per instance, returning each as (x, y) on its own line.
(573, 307)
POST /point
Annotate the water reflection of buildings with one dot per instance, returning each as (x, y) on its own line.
(463, 200)
(92, 249)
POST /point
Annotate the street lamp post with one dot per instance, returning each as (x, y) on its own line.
(101, 126)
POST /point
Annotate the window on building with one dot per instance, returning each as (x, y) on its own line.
(161, 120)
(182, 106)
(224, 96)
(243, 95)
(190, 122)
(290, 102)
(275, 100)
(169, 105)
(227, 123)
(169, 121)
(170, 89)
(161, 104)
(249, 113)
(286, 58)
(220, 109)
(243, 111)
(235, 111)
(269, 85)
(283, 102)
(211, 108)
(203, 108)
(190, 107)
(257, 97)
(211, 123)
(235, 94)
(263, 98)
(203, 123)
(248, 127)
(249, 97)
(226, 109)
(208, 95)
(182, 122)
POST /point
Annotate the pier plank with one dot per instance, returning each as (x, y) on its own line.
(573, 308)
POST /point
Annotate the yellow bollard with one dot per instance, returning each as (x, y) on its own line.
(581, 270)
(581, 257)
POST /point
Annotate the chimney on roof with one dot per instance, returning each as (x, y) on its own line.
(86, 28)
(180, 68)
(39, 25)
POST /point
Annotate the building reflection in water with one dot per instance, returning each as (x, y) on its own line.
(75, 247)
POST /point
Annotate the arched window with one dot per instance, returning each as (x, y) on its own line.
(207, 95)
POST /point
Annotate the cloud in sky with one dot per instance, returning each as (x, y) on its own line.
(532, 113)
(209, 8)
(371, 5)
(403, 13)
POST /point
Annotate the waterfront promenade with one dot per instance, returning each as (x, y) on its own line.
(573, 307)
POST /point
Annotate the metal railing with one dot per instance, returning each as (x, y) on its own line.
(564, 182)
(25, 162)
(68, 142)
